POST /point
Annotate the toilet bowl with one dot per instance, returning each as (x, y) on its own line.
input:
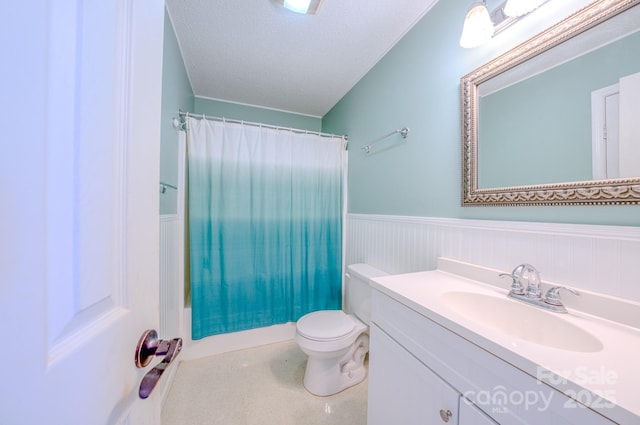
(335, 342)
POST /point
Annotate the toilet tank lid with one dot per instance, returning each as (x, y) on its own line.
(365, 271)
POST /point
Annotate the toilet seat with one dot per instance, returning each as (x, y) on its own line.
(326, 325)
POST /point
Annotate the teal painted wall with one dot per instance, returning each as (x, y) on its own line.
(417, 84)
(237, 111)
(176, 95)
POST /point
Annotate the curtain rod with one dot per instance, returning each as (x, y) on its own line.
(257, 124)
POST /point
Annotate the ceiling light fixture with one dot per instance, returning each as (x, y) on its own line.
(309, 7)
(480, 25)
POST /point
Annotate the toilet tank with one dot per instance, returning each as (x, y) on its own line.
(358, 290)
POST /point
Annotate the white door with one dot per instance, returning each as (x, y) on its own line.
(630, 125)
(80, 104)
(605, 132)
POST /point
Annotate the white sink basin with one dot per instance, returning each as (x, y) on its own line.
(521, 321)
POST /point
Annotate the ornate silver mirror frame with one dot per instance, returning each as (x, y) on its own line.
(602, 192)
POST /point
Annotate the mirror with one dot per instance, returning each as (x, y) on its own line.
(533, 118)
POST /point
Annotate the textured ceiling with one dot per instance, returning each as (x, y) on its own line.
(255, 52)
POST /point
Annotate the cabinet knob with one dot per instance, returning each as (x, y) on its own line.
(445, 415)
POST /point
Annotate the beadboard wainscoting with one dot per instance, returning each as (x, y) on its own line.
(171, 276)
(603, 259)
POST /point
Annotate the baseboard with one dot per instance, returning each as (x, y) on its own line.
(217, 344)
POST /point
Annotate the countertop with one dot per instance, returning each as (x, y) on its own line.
(607, 380)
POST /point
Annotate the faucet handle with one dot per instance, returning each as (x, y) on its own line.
(553, 295)
(516, 284)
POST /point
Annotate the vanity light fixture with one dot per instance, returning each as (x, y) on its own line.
(309, 7)
(480, 25)
(515, 8)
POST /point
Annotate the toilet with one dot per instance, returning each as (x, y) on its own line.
(335, 342)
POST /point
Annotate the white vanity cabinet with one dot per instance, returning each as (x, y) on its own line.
(468, 414)
(402, 390)
(418, 369)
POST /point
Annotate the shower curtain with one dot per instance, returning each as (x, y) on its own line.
(265, 223)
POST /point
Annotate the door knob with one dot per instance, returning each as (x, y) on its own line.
(148, 347)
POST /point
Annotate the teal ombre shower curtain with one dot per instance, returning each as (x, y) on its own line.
(265, 224)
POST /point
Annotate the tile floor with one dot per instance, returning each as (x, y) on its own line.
(257, 386)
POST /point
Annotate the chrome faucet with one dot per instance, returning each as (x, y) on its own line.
(532, 276)
(533, 293)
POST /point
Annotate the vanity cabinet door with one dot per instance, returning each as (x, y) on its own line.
(402, 390)
(469, 414)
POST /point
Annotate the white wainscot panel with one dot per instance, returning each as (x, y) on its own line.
(596, 258)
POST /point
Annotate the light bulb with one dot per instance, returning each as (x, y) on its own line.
(298, 6)
(515, 8)
(478, 28)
